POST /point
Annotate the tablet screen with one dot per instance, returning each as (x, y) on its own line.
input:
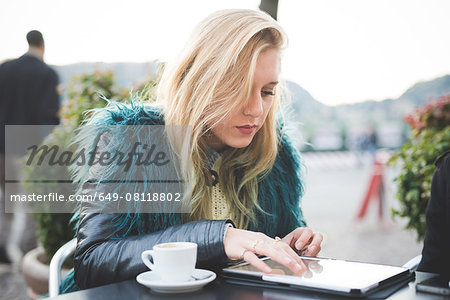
(324, 273)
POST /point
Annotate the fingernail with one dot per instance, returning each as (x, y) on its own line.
(312, 248)
(267, 269)
(299, 245)
(297, 267)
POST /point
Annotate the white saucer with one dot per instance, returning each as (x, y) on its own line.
(151, 280)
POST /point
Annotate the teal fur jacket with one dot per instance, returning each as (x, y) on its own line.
(279, 195)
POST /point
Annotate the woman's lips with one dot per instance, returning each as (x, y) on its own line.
(246, 129)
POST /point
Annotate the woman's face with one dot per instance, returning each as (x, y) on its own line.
(241, 124)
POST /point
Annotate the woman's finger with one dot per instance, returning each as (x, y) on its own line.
(297, 265)
(282, 254)
(289, 239)
(298, 238)
(252, 259)
(314, 247)
(292, 253)
(303, 238)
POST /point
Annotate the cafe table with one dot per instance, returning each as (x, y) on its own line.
(219, 289)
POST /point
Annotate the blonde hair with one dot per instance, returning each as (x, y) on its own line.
(213, 75)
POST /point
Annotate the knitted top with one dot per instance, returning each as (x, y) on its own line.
(219, 206)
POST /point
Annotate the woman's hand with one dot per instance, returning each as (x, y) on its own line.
(304, 241)
(244, 244)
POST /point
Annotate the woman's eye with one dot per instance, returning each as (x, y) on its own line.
(267, 93)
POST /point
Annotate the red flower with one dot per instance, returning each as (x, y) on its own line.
(433, 115)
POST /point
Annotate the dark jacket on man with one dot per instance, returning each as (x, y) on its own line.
(28, 94)
(436, 248)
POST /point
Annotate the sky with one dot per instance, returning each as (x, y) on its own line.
(341, 51)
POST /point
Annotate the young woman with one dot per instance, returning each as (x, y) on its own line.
(244, 184)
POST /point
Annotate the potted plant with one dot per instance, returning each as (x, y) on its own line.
(430, 128)
(54, 229)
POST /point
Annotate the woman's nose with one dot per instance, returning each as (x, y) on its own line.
(254, 106)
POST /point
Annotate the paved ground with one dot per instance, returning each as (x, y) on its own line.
(336, 183)
(335, 186)
(12, 285)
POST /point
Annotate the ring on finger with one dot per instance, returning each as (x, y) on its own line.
(243, 253)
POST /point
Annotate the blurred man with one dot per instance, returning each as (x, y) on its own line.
(28, 96)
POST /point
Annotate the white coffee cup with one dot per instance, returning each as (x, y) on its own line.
(173, 262)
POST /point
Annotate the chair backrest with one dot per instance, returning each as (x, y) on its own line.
(54, 278)
(413, 263)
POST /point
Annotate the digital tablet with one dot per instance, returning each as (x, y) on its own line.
(323, 275)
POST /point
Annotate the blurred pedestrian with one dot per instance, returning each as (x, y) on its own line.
(436, 248)
(372, 143)
(28, 96)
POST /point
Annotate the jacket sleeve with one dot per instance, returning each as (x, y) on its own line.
(102, 259)
(49, 100)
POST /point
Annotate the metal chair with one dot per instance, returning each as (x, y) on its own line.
(54, 278)
(413, 263)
